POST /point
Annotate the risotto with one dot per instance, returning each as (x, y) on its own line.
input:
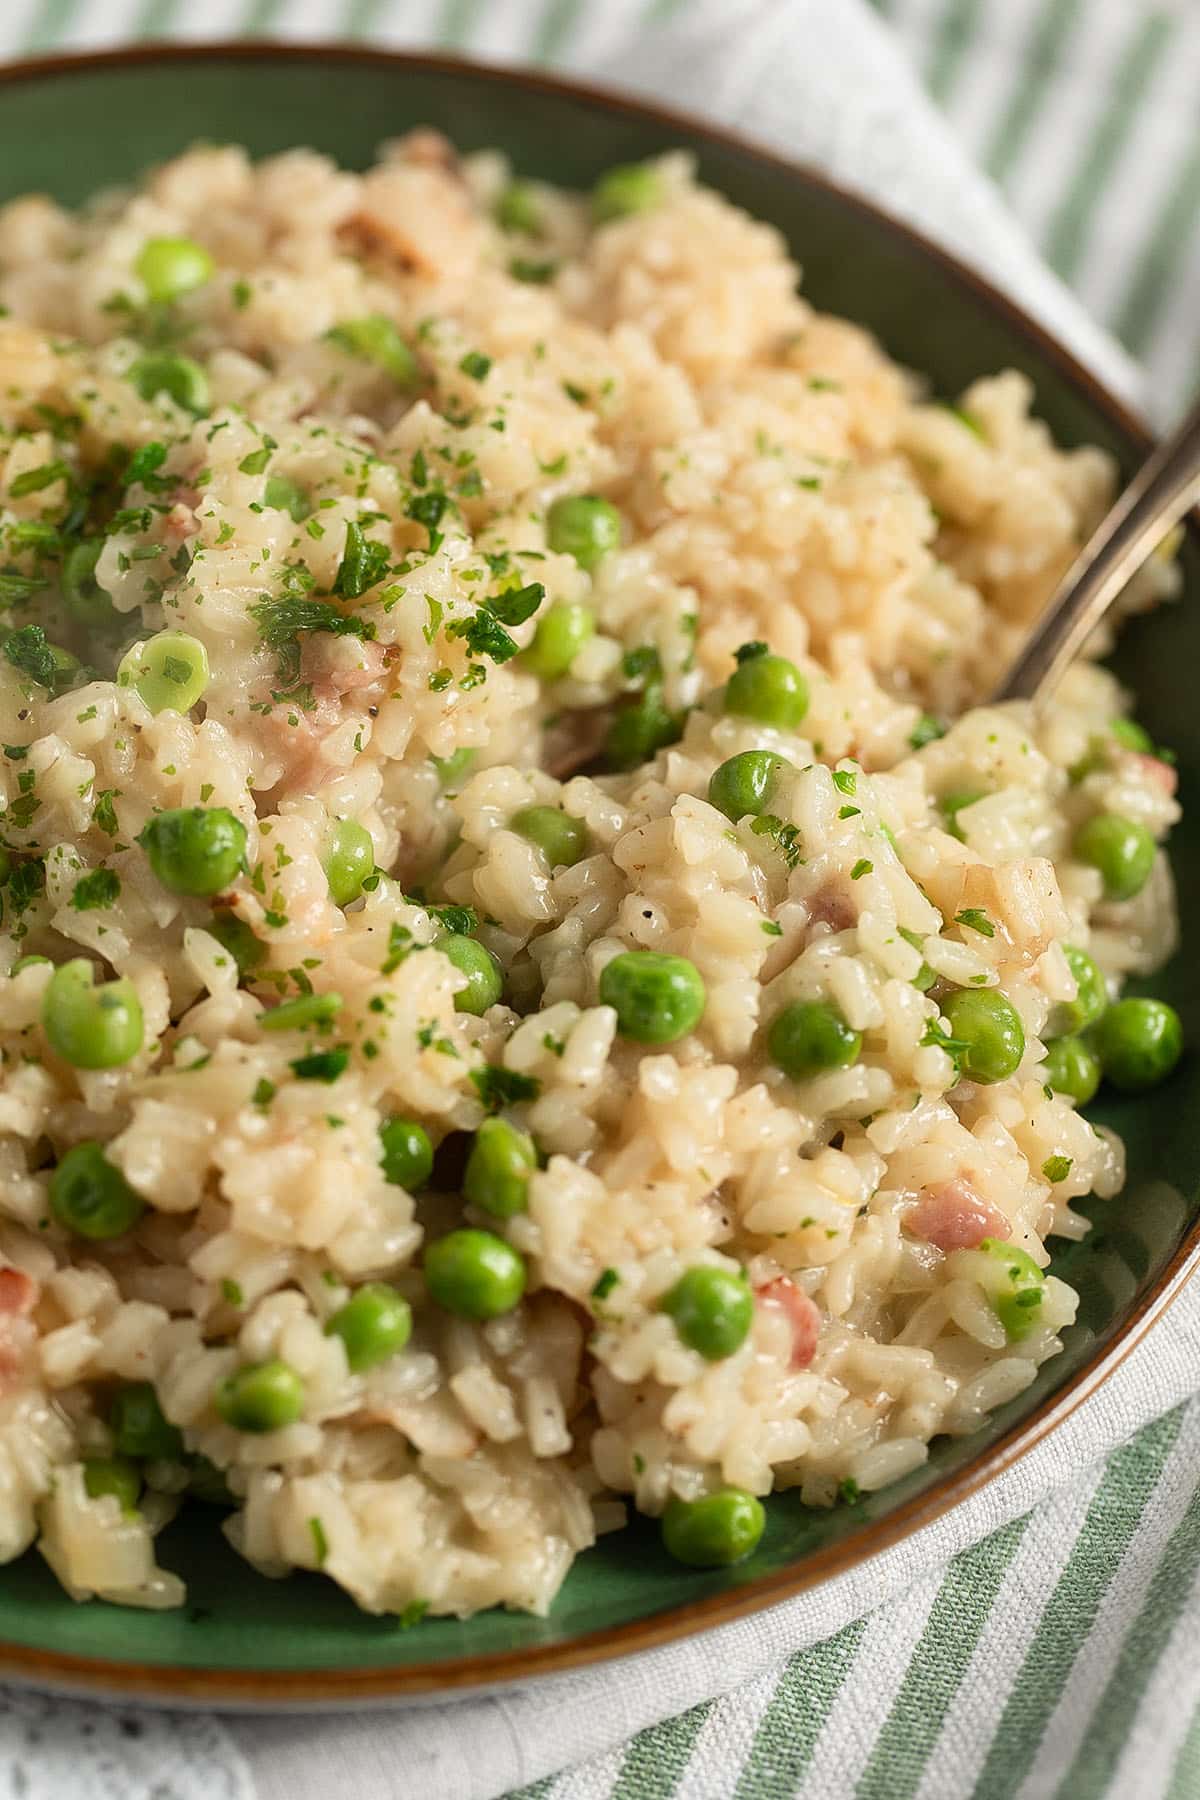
(536, 986)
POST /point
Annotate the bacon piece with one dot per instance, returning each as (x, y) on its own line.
(830, 906)
(18, 1297)
(577, 739)
(955, 1217)
(803, 1315)
(1154, 769)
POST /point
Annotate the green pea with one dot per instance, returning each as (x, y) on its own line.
(375, 339)
(407, 1154)
(178, 377)
(629, 188)
(169, 671)
(517, 209)
(715, 1531)
(1014, 1285)
(452, 768)
(89, 1026)
(91, 1197)
(950, 805)
(485, 983)
(585, 527)
(84, 598)
(283, 495)
(349, 858)
(474, 1274)
(560, 636)
(195, 850)
(712, 1309)
(641, 728)
(656, 998)
(238, 940)
(375, 1324)
(561, 839)
(1131, 736)
(745, 785)
(1139, 1041)
(1122, 850)
(258, 1397)
(496, 1178)
(810, 1036)
(1091, 997)
(139, 1426)
(115, 1475)
(170, 266)
(768, 689)
(1071, 1068)
(990, 1027)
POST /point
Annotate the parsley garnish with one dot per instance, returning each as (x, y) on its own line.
(514, 605)
(786, 837)
(364, 562)
(485, 636)
(30, 654)
(499, 1087)
(280, 621)
(321, 1065)
(1057, 1168)
(475, 364)
(97, 891)
(34, 480)
(975, 919)
(605, 1285)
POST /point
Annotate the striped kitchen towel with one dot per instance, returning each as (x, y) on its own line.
(1083, 111)
(1043, 1643)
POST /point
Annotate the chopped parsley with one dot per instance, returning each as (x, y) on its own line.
(499, 1087)
(862, 867)
(1057, 1168)
(97, 891)
(463, 920)
(320, 1541)
(34, 480)
(975, 919)
(845, 780)
(30, 654)
(484, 636)
(364, 563)
(605, 1285)
(280, 622)
(514, 605)
(476, 365)
(322, 1065)
(231, 1291)
(785, 837)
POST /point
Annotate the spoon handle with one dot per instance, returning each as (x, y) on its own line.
(1163, 490)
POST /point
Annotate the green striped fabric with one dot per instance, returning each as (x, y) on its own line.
(1058, 1658)
(1084, 111)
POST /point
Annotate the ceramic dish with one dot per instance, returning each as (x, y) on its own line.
(245, 1640)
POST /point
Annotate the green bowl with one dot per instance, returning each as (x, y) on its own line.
(71, 126)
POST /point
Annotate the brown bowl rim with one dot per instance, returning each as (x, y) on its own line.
(281, 1688)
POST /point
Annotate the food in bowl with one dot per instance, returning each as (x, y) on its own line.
(535, 983)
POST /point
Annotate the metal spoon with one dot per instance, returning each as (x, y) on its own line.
(1165, 488)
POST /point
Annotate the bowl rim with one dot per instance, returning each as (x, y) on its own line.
(281, 1688)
